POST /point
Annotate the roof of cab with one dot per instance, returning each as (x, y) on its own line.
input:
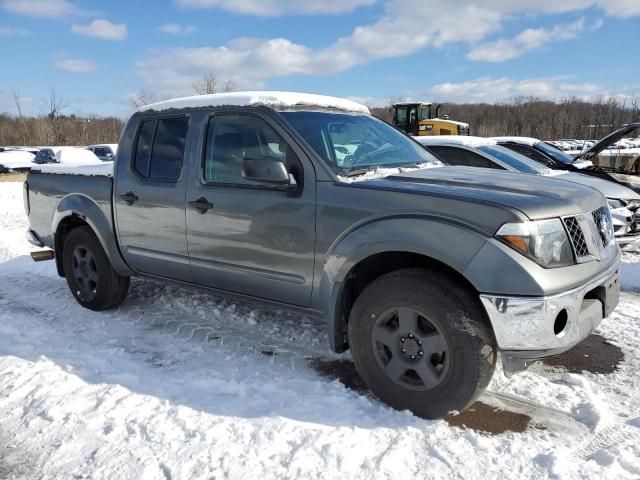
(468, 141)
(270, 99)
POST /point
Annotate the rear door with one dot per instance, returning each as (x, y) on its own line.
(251, 238)
(150, 198)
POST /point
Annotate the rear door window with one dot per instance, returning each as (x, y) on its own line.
(168, 148)
(160, 148)
(143, 148)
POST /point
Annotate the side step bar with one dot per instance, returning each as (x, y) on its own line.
(43, 255)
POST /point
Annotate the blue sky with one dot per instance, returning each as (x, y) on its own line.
(97, 54)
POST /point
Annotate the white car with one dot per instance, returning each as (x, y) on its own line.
(487, 153)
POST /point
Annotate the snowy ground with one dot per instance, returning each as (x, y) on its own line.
(181, 385)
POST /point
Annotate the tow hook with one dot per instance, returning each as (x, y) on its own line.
(43, 255)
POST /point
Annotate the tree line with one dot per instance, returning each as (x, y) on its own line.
(534, 117)
(521, 116)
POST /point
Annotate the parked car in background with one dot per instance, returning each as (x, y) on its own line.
(486, 153)
(104, 152)
(45, 155)
(557, 159)
(424, 271)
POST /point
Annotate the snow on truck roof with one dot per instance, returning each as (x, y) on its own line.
(468, 141)
(269, 99)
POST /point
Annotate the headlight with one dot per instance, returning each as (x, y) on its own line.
(543, 241)
(614, 203)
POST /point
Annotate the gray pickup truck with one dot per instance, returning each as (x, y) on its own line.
(424, 271)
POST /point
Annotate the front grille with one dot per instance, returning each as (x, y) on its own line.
(577, 236)
(603, 224)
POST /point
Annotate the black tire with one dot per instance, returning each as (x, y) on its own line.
(91, 279)
(452, 348)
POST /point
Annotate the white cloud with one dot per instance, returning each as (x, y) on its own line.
(43, 8)
(176, 29)
(75, 65)
(102, 29)
(279, 7)
(13, 32)
(405, 27)
(529, 39)
(489, 90)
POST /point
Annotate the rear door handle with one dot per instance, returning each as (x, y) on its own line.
(129, 198)
(201, 204)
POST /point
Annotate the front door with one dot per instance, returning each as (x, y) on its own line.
(150, 199)
(244, 236)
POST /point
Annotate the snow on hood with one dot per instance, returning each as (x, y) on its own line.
(16, 159)
(76, 156)
(466, 140)
(266, 98)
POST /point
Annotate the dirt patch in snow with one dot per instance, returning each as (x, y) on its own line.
(595, 355)
(342, 370)
(485, 418)
(479, 416)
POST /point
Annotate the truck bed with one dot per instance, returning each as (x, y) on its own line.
(45, 192)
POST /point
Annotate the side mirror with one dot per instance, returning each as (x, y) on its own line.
(265, 170)
(109, 155)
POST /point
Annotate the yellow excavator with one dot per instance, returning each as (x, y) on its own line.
(423, 118)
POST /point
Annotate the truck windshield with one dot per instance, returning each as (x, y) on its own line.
(354, 141)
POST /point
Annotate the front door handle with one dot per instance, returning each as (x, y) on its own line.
(201, 204)
(129, 198)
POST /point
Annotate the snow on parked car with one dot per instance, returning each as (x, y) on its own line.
(15, 160)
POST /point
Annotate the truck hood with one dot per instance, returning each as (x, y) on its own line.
(607, 141)
(608, 188)
(535, 196)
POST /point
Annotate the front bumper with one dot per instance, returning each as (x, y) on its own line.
(529, 328)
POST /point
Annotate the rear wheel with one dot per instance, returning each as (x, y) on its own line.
(89, 274)
(420, 342)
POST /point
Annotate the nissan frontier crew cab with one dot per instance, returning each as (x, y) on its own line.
(425, 272)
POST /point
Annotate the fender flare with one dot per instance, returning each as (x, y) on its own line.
(443, 239)
(86, 209)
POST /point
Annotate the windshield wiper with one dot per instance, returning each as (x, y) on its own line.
(356, 172)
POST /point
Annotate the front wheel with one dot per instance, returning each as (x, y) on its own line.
(91, 279)
(420, 342)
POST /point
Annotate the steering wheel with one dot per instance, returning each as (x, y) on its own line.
(363, 151)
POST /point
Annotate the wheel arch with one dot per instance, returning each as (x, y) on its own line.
(368, 253)
(75, 211)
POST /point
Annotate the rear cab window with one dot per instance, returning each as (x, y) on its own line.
(160, 146)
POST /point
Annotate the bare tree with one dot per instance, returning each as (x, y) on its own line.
(209, 83)
(23, 124)
(53, 108)
(142, 97)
